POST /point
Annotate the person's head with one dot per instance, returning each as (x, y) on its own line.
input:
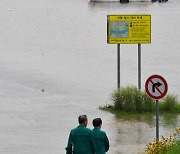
(97, 122)
(83, 120)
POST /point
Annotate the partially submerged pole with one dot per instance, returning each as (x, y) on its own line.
(157, 121)
(124, 1)
(139, 66)
(118, 65)
(162, 1)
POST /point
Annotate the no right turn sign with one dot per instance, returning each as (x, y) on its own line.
(156, 87)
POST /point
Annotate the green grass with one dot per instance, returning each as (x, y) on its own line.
(116, 111)
(132, 100)
(175, 149)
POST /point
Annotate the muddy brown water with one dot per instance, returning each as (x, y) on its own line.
(55, 64)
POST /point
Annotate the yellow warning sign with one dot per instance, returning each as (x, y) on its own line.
(129, 29)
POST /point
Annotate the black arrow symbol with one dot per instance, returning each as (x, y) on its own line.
(158, 84)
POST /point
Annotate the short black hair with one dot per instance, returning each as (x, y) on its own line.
(82, 119)
(97, 122)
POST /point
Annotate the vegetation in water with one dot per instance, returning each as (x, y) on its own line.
(131, 99)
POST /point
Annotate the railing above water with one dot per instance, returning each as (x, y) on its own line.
(126, 1)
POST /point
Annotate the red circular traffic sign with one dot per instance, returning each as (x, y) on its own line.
(156, 87)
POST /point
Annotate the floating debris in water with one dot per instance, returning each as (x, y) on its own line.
(42, 90)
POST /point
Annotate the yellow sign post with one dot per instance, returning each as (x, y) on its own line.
(129, 29)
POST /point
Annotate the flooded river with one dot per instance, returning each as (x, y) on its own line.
(55, 64)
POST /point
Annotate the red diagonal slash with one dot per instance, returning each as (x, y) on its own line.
(156, 87)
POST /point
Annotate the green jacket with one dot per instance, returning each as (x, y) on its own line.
(80, 141)
(101, 141)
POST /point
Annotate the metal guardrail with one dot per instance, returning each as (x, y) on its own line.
(126, 1)
(120, 0)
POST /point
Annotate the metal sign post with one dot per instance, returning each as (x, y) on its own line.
(129, 29)
(156, 88)
(118, 65)
(139, 66)
(157, 120)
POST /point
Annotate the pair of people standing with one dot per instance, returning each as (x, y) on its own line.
(82, 140)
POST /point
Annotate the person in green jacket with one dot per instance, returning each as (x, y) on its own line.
(100, 137)
(81, 139)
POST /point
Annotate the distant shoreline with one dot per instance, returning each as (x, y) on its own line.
(119, 0)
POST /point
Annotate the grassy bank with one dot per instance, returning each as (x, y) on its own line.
(175, 149)
(132, 100)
